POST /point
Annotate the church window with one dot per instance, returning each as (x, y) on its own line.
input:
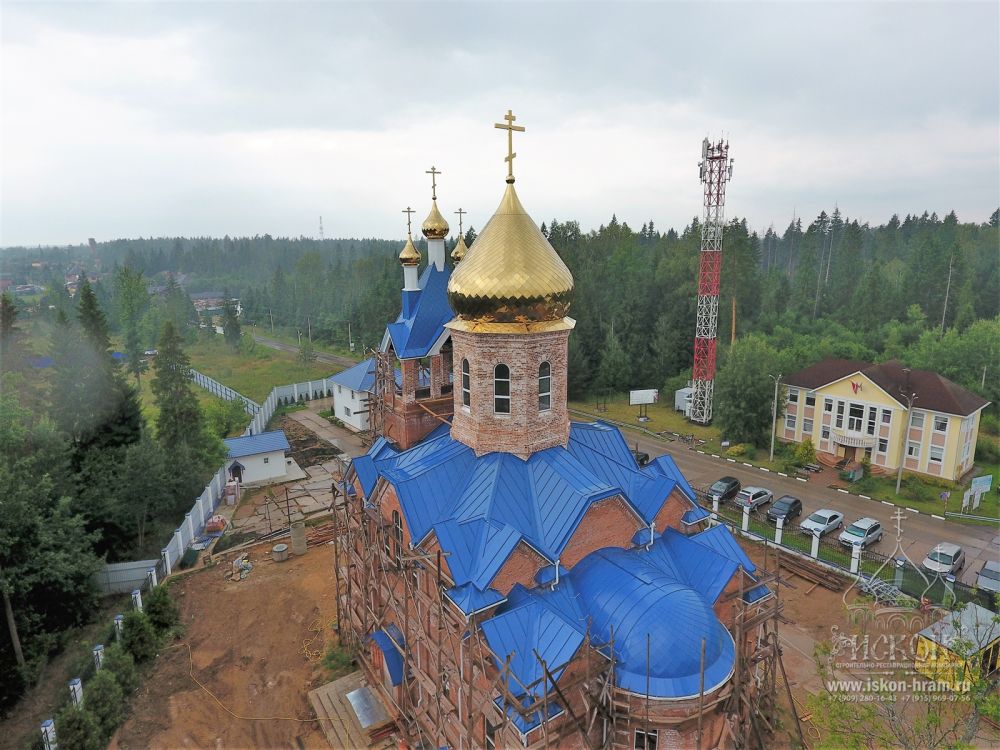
(646, 740)
(466, 391)
(544, 386)
(491, 735)
(501, 389)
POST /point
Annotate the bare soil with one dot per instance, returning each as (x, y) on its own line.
(255, 644)
(307, 448)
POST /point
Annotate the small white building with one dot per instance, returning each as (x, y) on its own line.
(257, 458)
(351, 390)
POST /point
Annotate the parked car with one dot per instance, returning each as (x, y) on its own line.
(786, 508)
(824, 521)
(726, 488)
(989, 577)
(753, 497)
(861, 533)
(946, 558)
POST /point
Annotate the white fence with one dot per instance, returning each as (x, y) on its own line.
(112, 578)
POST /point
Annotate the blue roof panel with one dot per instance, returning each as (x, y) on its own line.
(360, 377)
(421, 322)
(251, 445)
(393, 659)
(721, 539)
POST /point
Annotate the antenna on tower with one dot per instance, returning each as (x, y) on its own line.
(714, 170)
(320, 228)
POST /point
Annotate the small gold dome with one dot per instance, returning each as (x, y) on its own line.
(435, 227)
(511, 273)
(409, 256)
(460, 250)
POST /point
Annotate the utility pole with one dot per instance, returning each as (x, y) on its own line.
(774, 412)
(910, 398)
(271, 316)
(350, 339)
(947, 292)
(310, 325)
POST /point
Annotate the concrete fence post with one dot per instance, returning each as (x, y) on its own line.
(98, 652)
(49, 735)
(76, 691)
(179, 543)
(189, 522)
(137, 599)
(815, 545)
(295, 392)
(778, 529)
(715, 508)
(746, 517)
(151, 578)
(855, 558)
(949, 585)
(898, 576)
(119, 626)
(165, 556)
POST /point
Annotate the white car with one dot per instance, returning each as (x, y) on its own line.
(822, 522)
(946, 558)
(861, 533)
(753, 497)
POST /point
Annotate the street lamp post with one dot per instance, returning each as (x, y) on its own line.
(910, 397)
(774, 412)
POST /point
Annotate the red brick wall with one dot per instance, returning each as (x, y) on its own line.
(608, 523)
(526, 429)
(669, 516)
(520, 567)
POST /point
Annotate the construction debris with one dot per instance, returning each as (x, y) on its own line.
(813, 573)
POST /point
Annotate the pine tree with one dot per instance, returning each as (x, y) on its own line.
(180, 416)
(231, 324)
(10, 334)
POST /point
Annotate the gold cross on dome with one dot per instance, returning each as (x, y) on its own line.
(433, 173)
(409, 212)
(510, 127)
(460, 213)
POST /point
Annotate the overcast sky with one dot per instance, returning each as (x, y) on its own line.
(186, 118)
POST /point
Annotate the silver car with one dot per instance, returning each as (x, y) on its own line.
(946, 558)
(861, 533)
(989, 577)
(753, 497)
(822, 522)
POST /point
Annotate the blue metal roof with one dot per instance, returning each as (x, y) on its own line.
(470, 600)
(525, 724)
(721, 539)
(393, 659)
(694, 516)
(421, 321)
(251, 445)
(361, 377)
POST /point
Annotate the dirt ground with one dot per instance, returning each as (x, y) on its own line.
(249, 642)
(306, 448)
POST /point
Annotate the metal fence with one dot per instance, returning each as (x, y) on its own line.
(223, 391)
(868, 567)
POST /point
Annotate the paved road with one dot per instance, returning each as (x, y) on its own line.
(332, 359)
(920, 531)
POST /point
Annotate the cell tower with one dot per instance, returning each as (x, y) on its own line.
(716, 170)
(321, 229)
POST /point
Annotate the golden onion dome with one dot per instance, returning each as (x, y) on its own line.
(435, 227)
(460, 250)
(409, 256)
(511, 273)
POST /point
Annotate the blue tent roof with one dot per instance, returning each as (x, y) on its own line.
(251, 445)
(361, 377)
(393, 659)
(423, 316)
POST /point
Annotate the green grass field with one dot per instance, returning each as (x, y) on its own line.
(662, 417)
(253, 375)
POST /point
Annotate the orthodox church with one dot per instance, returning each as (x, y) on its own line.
(512, 578)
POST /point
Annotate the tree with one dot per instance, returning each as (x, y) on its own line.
(307, 354)
(231, 331)
(132, 300)
(161, 609)
(78, 729)
(613, 373)
(744, 393)
(103, 698)
(120, 663)
(180, 416)
(139, 637)
(226, 417)
(10, 333)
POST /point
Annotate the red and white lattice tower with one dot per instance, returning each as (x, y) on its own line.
(716, 169)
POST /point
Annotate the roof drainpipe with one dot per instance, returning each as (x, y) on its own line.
(652, 530)
(556, 581)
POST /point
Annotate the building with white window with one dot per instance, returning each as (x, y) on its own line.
(257, 458)
(886, 413)
(351, 390)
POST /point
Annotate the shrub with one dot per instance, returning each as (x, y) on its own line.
(805, 452)
(120, 663)
(77, 729)
(161, 609)
(139, 636)
(737, 451)
(987, 451)
(338, 661)
(103, 698)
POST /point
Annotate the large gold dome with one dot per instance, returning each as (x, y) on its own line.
(511, 273)
(435, 227)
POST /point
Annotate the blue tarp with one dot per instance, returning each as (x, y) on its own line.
(393, 659)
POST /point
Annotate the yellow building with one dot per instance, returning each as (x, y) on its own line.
(886, 412)
(960, 648)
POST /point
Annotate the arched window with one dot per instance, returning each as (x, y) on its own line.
(397, 534)
(544, 386)
(466, 391)
(501, 389)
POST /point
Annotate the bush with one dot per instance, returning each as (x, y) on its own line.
(805, 452)
(77, 729)
(103, 698)
(120, 663)
(161, 609)
(741, 450)
(338, 661)
(987, 451)
(139, 637)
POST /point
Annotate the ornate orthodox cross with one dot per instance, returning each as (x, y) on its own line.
(409, 212)
(510, 127)
(898, 517)
(460, 212)
(433, 173)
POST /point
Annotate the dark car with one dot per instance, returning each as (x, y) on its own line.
(725, 489)
(786, 507)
